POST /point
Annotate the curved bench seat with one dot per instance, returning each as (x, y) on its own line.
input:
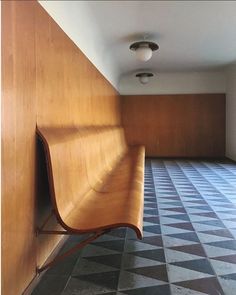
(123, 174)
(96, 180)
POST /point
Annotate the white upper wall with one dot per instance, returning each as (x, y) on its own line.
(175, 83)
(231, 112)
(76, 20)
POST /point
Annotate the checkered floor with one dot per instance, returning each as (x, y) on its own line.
(189, 244)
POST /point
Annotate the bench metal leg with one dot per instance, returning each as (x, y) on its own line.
(53, 232)
(70, 251)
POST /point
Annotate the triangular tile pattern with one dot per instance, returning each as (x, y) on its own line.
(108, 279)
(189, 244)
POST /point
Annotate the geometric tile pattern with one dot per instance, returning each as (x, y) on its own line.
(189, 244)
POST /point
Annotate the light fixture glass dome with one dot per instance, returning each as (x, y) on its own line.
(143, 49)
(144, 77)
(144, 52)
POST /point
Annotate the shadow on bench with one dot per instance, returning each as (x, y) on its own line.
(96, 181)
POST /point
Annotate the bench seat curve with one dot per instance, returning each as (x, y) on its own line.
(96, 180)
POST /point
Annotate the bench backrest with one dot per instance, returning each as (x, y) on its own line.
(79, 159)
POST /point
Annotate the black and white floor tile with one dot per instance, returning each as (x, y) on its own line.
(189, 244)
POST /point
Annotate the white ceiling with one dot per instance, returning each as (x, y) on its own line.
(192, 35)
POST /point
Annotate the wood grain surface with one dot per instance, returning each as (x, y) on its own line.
(18, 146)
(176, 125)
(86, 195)
(46, 80)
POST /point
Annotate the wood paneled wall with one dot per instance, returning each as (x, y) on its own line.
(70, 90)
(18, 147)
(47, 81)
(176, 125)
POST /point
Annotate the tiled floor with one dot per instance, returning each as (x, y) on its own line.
(189, 244)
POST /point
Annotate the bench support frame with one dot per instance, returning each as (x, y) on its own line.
(58, 258)
(70, 251)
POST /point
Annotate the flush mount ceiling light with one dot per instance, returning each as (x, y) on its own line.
(143, 49)
(144, 77)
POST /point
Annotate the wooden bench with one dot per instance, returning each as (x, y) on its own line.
(96, 180)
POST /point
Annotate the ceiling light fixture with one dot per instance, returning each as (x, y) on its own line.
(143, 49)
(144, 77)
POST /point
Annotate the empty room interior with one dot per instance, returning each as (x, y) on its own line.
(118, 147)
